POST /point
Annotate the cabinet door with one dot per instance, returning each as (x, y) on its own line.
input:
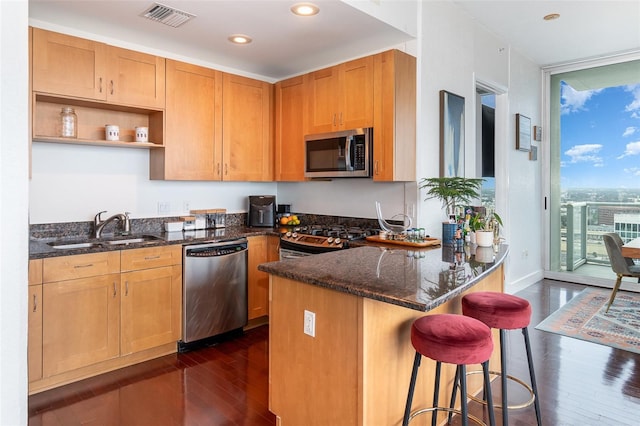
(323, 86)
(68, 66)
(80, 323)
(247, 129)
(290, 129)
(135, 78)
(34, 351)
(394, 136)
(258, 281)
(193, 142)
(151, 308)
(356, 94)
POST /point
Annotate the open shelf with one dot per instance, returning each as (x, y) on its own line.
(92, 118)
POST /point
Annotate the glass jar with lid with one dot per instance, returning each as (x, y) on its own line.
(68, 123)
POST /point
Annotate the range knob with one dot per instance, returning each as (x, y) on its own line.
(294, 235)
(288, 234)
(337, 241)
(330, 240)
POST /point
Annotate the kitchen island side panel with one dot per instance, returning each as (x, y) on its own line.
(356, 370)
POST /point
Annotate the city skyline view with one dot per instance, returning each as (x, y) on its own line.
(600, 137)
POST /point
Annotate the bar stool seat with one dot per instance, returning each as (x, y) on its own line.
(505, 312)
(453, 339)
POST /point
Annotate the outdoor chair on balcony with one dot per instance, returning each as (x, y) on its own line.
(622, 266)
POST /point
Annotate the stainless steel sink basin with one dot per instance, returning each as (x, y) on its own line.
(136, 240)
(70, 245)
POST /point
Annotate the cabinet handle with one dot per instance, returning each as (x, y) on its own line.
(151, 257)
(218, 169)
(35, 303)
(334, 119)
(100, 84)
(226, 169)
(375, 167)
(88, 265)
(114, 289)
(341, 123)
(126, 288)
(111, 86)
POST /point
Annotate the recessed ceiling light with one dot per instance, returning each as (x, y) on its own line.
(239, 39)
(551, 16)
(305, 9)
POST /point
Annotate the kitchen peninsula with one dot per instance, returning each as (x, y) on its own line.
(339, 344)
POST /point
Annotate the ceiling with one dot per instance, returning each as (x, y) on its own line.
(285, 45)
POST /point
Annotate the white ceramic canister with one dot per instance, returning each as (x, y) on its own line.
(142, 134)
(112, 132)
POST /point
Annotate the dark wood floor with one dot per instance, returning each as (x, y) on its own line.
(580, 383)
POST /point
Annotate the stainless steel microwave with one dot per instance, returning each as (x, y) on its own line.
(345, 153)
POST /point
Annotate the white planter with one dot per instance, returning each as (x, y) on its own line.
(484, 254)
(484, 238)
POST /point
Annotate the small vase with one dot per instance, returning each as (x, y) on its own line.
(449, 233)
(484, 238)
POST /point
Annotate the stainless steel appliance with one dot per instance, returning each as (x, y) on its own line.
(313, 239)
(339, 154)
(214, 290)
(262, 210)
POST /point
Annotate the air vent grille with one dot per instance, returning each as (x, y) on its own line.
(167, 15)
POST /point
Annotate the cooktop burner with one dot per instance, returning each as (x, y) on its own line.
(321, 238)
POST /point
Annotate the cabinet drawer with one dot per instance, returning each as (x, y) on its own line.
(80, 266)
(152, 257)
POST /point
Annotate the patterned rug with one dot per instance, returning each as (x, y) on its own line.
(584, 317)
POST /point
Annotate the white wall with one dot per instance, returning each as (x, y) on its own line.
(72, 183)
(455, 53)
(14, 232)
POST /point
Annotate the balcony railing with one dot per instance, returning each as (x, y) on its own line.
(583, 224)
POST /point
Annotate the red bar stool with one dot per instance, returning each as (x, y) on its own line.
(505, 312)
(454, 339)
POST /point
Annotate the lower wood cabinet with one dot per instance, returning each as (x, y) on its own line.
(94, 313)
(262, 249)
(80, 323)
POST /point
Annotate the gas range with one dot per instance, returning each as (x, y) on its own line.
(322, 238)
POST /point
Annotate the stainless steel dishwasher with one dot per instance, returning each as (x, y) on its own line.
(214, 290)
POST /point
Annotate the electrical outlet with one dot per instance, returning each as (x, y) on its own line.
(186, 206)
(310, 323)
(164, 207)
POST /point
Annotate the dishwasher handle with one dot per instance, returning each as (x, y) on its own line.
(225, 248)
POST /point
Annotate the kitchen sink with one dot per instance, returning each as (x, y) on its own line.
(114, 241)
(70, 246)
(136, 240)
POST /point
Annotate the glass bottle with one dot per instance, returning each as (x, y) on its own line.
(68, 123)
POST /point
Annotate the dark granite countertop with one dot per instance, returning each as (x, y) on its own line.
(416, 279)
(39, 248)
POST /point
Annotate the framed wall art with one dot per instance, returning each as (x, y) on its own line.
(523, 133)
(451, 134)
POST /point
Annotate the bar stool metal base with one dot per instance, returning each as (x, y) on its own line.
(509, 377)
(471, 417)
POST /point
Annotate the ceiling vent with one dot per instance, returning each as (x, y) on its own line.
(167, 15)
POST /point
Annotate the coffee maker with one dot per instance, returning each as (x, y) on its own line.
(262, 210)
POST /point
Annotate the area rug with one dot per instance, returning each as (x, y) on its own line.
(584, 317)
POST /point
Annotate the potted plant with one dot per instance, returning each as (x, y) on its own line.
(452, 192)
(486, 228)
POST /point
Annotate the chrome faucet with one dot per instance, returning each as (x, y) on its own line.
(99, 224)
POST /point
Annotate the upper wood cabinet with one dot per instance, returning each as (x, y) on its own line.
(394, 128)
(71, 66)
(290, 127)
(193, 146)
(247, 129)
(341, 97)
